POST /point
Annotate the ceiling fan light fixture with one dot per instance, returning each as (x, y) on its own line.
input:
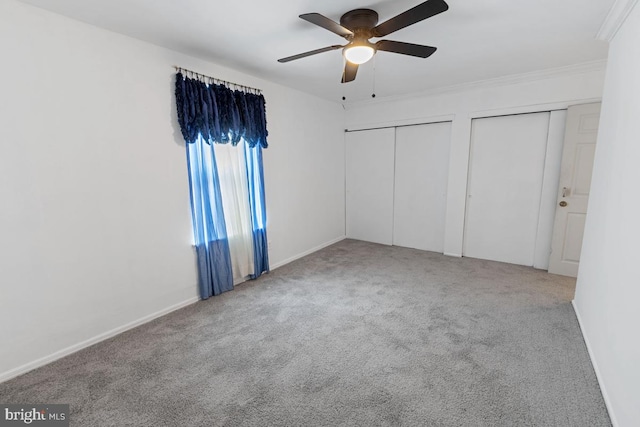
(358, 54)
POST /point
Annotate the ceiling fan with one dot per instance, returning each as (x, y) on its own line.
(360, 25)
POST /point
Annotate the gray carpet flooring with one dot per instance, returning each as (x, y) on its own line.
(356, 334)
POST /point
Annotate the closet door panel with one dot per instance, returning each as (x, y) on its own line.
(421, 174)
(504, 188)
(369, 186)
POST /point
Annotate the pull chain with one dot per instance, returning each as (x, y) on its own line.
(373, 94)
(343, 85)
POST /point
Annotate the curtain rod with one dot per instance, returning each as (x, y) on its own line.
(217, 80)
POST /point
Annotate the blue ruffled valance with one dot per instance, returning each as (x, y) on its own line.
(219, 114)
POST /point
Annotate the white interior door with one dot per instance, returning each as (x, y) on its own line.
(575, 183)
(421, 173)
(369, 175)
(505, 186)
(555, 140)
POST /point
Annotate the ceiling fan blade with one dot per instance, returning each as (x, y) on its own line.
(418, 50)
(327, 24)
(350, 71)
(311, 52)
(422, 11)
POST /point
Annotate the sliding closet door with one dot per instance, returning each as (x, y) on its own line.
(369, 173)
(504, 189)
(421, 174)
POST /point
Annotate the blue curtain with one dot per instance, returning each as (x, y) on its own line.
(209, 229)
(208, 114)
(258, 210)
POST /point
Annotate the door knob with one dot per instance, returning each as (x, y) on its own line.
(563, 203)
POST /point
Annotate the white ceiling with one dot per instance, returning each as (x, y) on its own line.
(476, 40)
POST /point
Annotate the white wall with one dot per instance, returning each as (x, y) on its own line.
(608, 289)
(95, 229)
(542, 91)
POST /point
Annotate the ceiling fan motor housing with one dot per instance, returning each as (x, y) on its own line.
(360, 20)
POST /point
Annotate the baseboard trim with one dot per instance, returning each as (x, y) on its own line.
(305, 253)
(452, 254)
(5, 376)
(603, 389)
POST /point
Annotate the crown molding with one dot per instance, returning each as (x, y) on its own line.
(614, 20)
(584, 67)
